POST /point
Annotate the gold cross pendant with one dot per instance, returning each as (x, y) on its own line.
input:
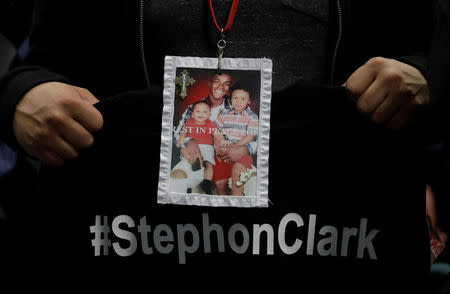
(184, 80)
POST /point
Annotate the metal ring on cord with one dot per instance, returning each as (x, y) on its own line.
(221, 44)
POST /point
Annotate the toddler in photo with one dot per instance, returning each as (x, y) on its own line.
(201, 129)
(236, 126)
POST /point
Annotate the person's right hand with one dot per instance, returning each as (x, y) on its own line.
(191, 152)
(54, 121)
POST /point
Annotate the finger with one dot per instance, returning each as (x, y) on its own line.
(402, 118)
(188, 156)
(76, 135)
(390, 106)
(58, 146)
(86, 95)
(218, 155)
(201, 160)
(225, 157)
(49, 158)
(88, 116)
(359, 81)
(372, 98)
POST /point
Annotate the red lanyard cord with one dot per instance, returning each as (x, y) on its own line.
(231, 16)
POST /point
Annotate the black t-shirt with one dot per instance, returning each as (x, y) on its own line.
(346, 209)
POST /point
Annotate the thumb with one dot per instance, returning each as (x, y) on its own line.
(352, 96)
(86, 95)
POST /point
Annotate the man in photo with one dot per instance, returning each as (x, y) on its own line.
(182, 175)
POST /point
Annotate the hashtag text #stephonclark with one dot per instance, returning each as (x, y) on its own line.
(185, 239)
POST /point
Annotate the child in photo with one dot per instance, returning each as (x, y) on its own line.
(201, 129)
(239, 126)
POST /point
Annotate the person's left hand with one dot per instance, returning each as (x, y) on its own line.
(388, 91)
(232, 153)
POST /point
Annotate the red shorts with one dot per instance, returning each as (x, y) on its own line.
(222, 170)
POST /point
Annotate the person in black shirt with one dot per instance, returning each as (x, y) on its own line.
(85, 52)
(53, 121)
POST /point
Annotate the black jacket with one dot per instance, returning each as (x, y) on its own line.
(97, 45)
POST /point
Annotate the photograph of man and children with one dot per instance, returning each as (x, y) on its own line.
(215, 132)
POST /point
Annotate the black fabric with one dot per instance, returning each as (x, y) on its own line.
(440, 64)
(17, 200)
(296, 46)
(399, 30)
(341, 168)
(439, 89)
(107, 61)
(7, 53)
(15, 20)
